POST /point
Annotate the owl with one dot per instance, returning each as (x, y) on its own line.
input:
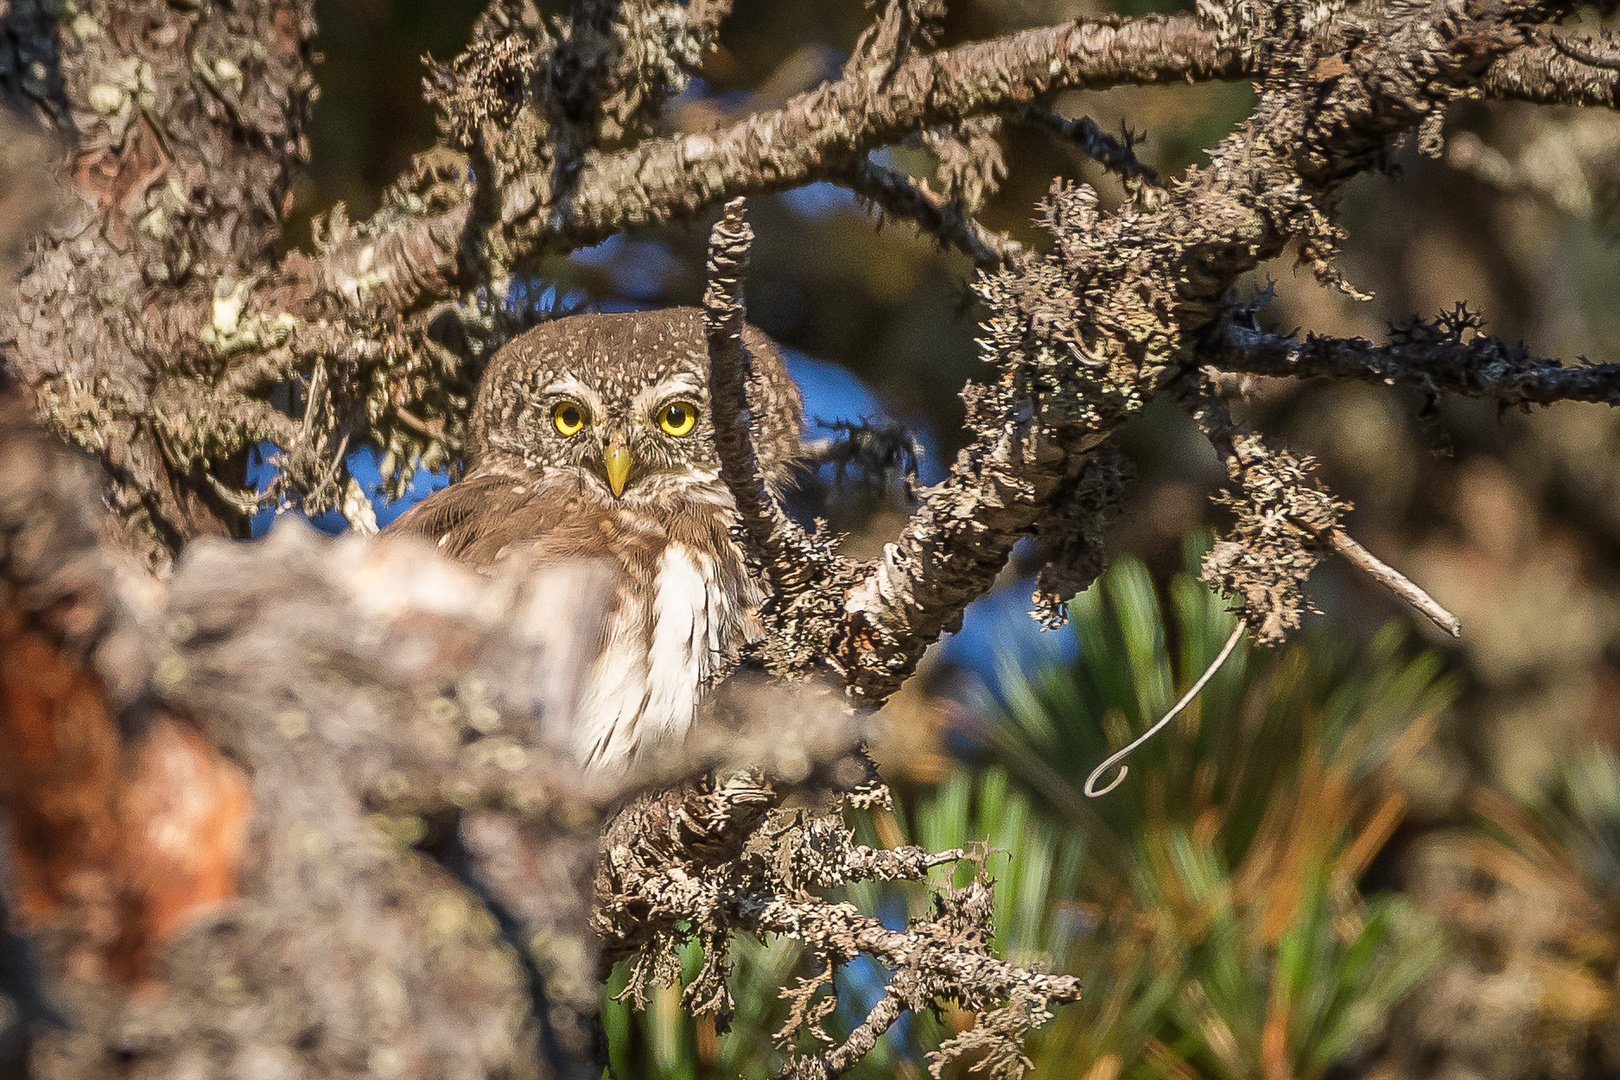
(591, 439)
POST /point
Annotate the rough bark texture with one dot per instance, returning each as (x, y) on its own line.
(180, 128)
(382, 873)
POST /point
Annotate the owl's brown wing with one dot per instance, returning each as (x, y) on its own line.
(482, 517)
(569, 572)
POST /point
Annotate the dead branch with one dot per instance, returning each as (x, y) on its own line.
(1283, 522)
(1433, 355)
(1396, 582)
(723, 856)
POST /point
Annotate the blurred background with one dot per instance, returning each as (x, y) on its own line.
(1374, 852)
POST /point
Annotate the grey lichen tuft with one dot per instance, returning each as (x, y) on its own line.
(1070, 542)
(1283, 521)
(1068, 339)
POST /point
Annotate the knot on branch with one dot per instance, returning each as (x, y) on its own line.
(1283, 521)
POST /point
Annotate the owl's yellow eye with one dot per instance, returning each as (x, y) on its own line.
(568, 417)
(678, 417)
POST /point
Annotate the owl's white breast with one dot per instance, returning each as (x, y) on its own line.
(645, 686)
(685, 603)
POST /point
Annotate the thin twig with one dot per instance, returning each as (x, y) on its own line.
(1396, 582)
(433, 429)
(312, 400)
(1091, 789)
(1114, 154)
(897, 194)
(244, 503)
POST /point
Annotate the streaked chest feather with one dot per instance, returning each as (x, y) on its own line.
(666, 637)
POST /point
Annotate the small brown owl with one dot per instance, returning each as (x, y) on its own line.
(591, 439)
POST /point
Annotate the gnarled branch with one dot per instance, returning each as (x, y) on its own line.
(780, 540)
(815, 135)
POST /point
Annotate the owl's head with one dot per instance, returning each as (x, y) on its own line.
(623, 401)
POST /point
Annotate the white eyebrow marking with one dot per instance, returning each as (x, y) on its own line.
(682, 386)
(570, 387)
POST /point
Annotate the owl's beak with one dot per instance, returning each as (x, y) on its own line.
(616, 460)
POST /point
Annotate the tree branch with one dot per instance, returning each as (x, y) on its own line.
(780, 541)
(1083, 338)
(815, 135)
(178, 183)
(1431, 357)
(1116, 155)
(1544, 74)
(895, 193)
(1283, 520)
(837, 1060)
(1396, 582)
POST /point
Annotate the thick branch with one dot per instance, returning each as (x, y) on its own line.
(820, 131)
(180, 164)
(815, 135)
(1547, 75)
(1482, 366)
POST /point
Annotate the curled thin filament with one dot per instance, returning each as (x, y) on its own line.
(1091, 789)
